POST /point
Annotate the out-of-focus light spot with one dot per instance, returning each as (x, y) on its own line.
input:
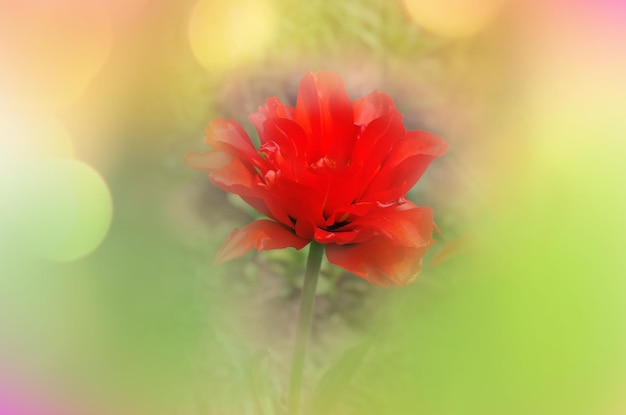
(453, 18)
(24, 138)
(50, 50)
(65, 211)
(55, 142)
(223, 34)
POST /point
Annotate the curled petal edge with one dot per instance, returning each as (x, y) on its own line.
(379, 262)
(261, 235)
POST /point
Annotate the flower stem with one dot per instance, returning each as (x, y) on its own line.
(304, 324)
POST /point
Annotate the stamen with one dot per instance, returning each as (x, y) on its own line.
(324, 162)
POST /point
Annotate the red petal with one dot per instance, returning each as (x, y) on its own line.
(288, 135)
(261, 235)
(340, 238)
(324, 110)
(226, 171)
(372, 106)
(404, 225)
(381, 127)
(273, 109)
(230, 137)
(301, 202)
(374, 145)
(379, 261)
(420, 143)
(348, 213)
(385, 246)
(406, 163)
(232, 175)
(259, 204)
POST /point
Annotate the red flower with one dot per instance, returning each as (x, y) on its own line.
(331, 170)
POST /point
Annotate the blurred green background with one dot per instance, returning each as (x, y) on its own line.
(110, 303)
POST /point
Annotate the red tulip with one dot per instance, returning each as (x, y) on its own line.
(331, 170)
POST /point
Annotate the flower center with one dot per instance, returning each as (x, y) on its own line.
(336, 226)
(326, 162)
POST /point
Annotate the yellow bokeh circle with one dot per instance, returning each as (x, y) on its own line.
(28, 136)
(453, 18)
(223, 34)
(66, 210)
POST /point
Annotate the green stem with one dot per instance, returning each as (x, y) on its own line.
(313, 264)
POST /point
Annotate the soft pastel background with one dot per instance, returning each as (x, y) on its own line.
(109, 302)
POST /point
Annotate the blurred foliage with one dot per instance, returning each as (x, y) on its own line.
(333, 28)
(523, 324)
